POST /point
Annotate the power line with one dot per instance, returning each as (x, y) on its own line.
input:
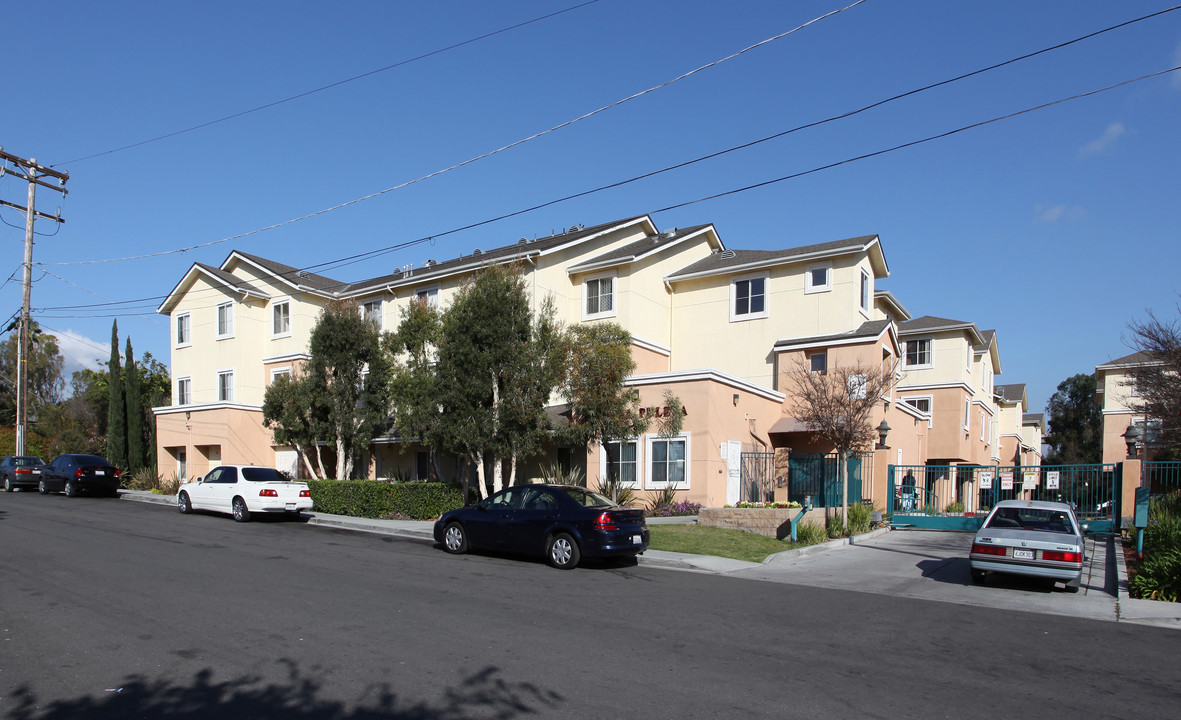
(329, 86)
(340, 262)
(477, 158)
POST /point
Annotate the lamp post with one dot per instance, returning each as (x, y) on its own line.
(883, 429)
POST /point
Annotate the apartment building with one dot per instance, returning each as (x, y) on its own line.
(1120, 400)
(719, 327)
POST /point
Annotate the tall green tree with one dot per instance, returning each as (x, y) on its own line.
(1075, 422)
(1158, 382)
(602, 407)
(414, 405)
(290, 408)
(136, 457)
(497, 366)
(44, 374)
(349, 369)
(117, 406)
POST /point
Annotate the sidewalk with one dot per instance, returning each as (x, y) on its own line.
(773, 568)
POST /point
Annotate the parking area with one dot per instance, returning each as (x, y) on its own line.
(933, 565)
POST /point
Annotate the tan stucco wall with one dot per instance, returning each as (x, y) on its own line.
(239, 434)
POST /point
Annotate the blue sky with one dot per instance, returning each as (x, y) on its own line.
(1055, 228)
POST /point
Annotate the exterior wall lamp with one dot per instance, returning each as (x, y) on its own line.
(1132, 437)
(883, 430)
(735, 399)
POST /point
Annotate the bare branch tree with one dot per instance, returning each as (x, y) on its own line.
(1158, 380)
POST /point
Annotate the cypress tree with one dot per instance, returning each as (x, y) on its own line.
(117, 409)
(135, 413)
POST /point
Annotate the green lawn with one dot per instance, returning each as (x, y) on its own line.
(722, 542)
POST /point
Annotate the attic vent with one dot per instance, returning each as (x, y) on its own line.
(477, 252)
(669, 233)
(430, 263)
(575, 228)
(522, 241)
(301, 274)
(727, 254)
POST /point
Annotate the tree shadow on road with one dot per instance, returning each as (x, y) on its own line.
(299, 696)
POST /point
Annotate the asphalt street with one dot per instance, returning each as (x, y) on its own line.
(115, 609)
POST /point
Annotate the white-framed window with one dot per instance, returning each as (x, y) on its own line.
(371, 311)
(225, 386)
(184, 330)
(748, 298)
(968, 360)
(184, 391)
(967, 414)
(983, 427)
(598, 297)
(620, 459)
(429, 295)
(857, 387)
(281, 319)
(225, 320)
(818, 278)
(818, 361)
(668, 461)
(280, 372)
(922, 403)
(182, 463)
(918, 353)
(865, 292)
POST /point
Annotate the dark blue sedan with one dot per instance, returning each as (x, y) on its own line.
(563, 522)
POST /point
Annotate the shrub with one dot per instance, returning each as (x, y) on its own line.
(771, 504)
(954, 507)
(810, 534)
(859, 519)
(675, 509)
(377, 498)
(1158, 573)
(553, 474)
(148, 479)
(619, 491)
(834, 527)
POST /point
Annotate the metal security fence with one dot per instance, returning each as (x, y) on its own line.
(1162, 477)
(816, 474)
(959, 496)
(758, 477)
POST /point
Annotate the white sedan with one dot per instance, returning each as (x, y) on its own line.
(242, 490)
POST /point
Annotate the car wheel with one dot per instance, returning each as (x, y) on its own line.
(1073, 586)
(978, 577)
(7, 485)
(562, 552)
(183, 505)
(71, 489)
(241, 514)
(41, 488)
(454, 538)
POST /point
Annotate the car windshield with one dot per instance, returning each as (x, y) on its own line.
(588, 498)
(255, 474)
(1043, 519)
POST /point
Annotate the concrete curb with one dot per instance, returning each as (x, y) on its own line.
(795, 553)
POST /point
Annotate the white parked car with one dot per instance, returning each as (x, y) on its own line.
(242, 490)
(1032, 538)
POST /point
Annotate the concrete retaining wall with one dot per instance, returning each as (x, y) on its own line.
(772, 522)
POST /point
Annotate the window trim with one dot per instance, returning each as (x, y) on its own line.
(188, 381)
(187, 317)
(276, 372)
(275, 305)
(735, 316)
(809, 286)
(229, 321)
(930, 404)
(649, 439)
(604, 461)
(229, 372)
(380, 311)
(968, 415)
(430, 293)
(866, 290)
(811, 362)
(613, 277)
(930, 354)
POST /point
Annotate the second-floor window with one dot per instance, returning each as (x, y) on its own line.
(225, 320)
(818, 362)
(184, 330)
(818, 278)
(864, 292)
(184, 391)
(428, 295)
(918, 352)
(372, 311)
(600, 297)
(225, 386)
(281, 319)
(748, 298)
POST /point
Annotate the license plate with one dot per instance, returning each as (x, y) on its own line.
(637, 539)
(290, 506)
(1022, 554)
(100, 472)
(36, 472)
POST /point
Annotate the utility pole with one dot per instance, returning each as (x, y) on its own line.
(31, 172)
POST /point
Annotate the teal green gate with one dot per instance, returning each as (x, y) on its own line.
(958, 497)
(815, 474)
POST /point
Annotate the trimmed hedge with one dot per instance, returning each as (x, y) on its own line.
(377, 498)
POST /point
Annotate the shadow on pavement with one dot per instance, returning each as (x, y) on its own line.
(298, 696)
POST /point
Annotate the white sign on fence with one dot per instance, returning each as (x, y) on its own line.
(1006, 481)
(986, 480)
(1028, 480)
(1052, 479)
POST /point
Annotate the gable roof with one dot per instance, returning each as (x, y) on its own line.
(644, 247)
(726, 262)
(930, 324)
(868, 331)
(1133, 360)
(215, 276)
(1010, 393)
(895, 307)
(295, 277)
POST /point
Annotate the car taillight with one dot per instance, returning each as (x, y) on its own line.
(605, 522)
(1071, 557)
(78, 472)
(23, 471)
(987, 549)
(268, 492)
(305, 493)
(118, 472)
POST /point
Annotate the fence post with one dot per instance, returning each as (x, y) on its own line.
(890, 490)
